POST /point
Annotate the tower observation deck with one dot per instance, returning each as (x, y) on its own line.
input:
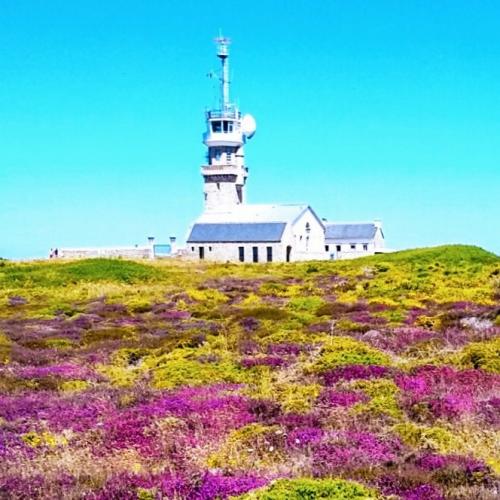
(225, 173)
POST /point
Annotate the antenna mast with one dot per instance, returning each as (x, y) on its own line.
(223, 55)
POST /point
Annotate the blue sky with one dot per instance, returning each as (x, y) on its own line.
(383, 109)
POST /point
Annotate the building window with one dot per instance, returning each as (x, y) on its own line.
(215, 153)
(353, 246)
(241, 254)
(269, 254)
(365, 246)
(228, 126)
(339, 248)
(327, 248)
(202, 252)
(192, 249)
(209, 249)
(255, 254)
(218, 185)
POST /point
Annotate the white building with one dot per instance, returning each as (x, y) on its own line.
(348, 240)
(229, 229)
(258, 233)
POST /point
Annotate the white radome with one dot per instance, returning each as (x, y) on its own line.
(249, 126)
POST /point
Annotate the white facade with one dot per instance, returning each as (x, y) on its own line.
(349, 240)
(258, 233)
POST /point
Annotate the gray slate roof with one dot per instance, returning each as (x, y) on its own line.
(350, 231)
(237, 232)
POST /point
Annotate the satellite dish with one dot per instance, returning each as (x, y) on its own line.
(248, 126)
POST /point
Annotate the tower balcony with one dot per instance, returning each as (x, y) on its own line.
(230, 112)
(212, 139)
(223, 169)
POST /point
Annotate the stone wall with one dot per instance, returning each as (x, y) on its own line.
(139, 252)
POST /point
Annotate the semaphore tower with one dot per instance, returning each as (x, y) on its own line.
(225, 174)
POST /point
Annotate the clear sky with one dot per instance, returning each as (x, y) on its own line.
(364, 109)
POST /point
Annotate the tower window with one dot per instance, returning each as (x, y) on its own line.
(217, 126)
(227, 126)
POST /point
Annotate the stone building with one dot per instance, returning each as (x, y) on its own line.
(258, 233)
(229, 229)
(348, 240)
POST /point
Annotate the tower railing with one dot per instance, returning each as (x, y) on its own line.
(224, 113)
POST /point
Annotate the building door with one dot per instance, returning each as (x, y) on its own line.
(255, 254)
(288, 253)
(202, 253)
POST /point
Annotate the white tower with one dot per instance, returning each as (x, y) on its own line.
(225, 174)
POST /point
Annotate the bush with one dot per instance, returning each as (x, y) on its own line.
(341, 351)
(306, 304)
(4, 348)
(485, 355)
(383, 394)
(310, 489)
(263, 312)
(252, 446)
(433, 438)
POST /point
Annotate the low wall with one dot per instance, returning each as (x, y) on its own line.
(124, 252)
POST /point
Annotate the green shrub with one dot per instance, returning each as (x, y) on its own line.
(307, 304)
(383, 394)
(340, 351)
(107, 334)
(4, 348)
(263, 312)
(183, 367)
(297, 398)
(421, 436)
(251, 446)
(484, 355)
(310, 489)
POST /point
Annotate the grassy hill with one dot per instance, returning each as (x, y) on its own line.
(371, 378)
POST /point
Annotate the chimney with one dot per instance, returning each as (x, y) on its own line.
(151, 244)
(173, 245)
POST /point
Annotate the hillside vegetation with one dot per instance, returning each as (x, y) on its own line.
(373, 378)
